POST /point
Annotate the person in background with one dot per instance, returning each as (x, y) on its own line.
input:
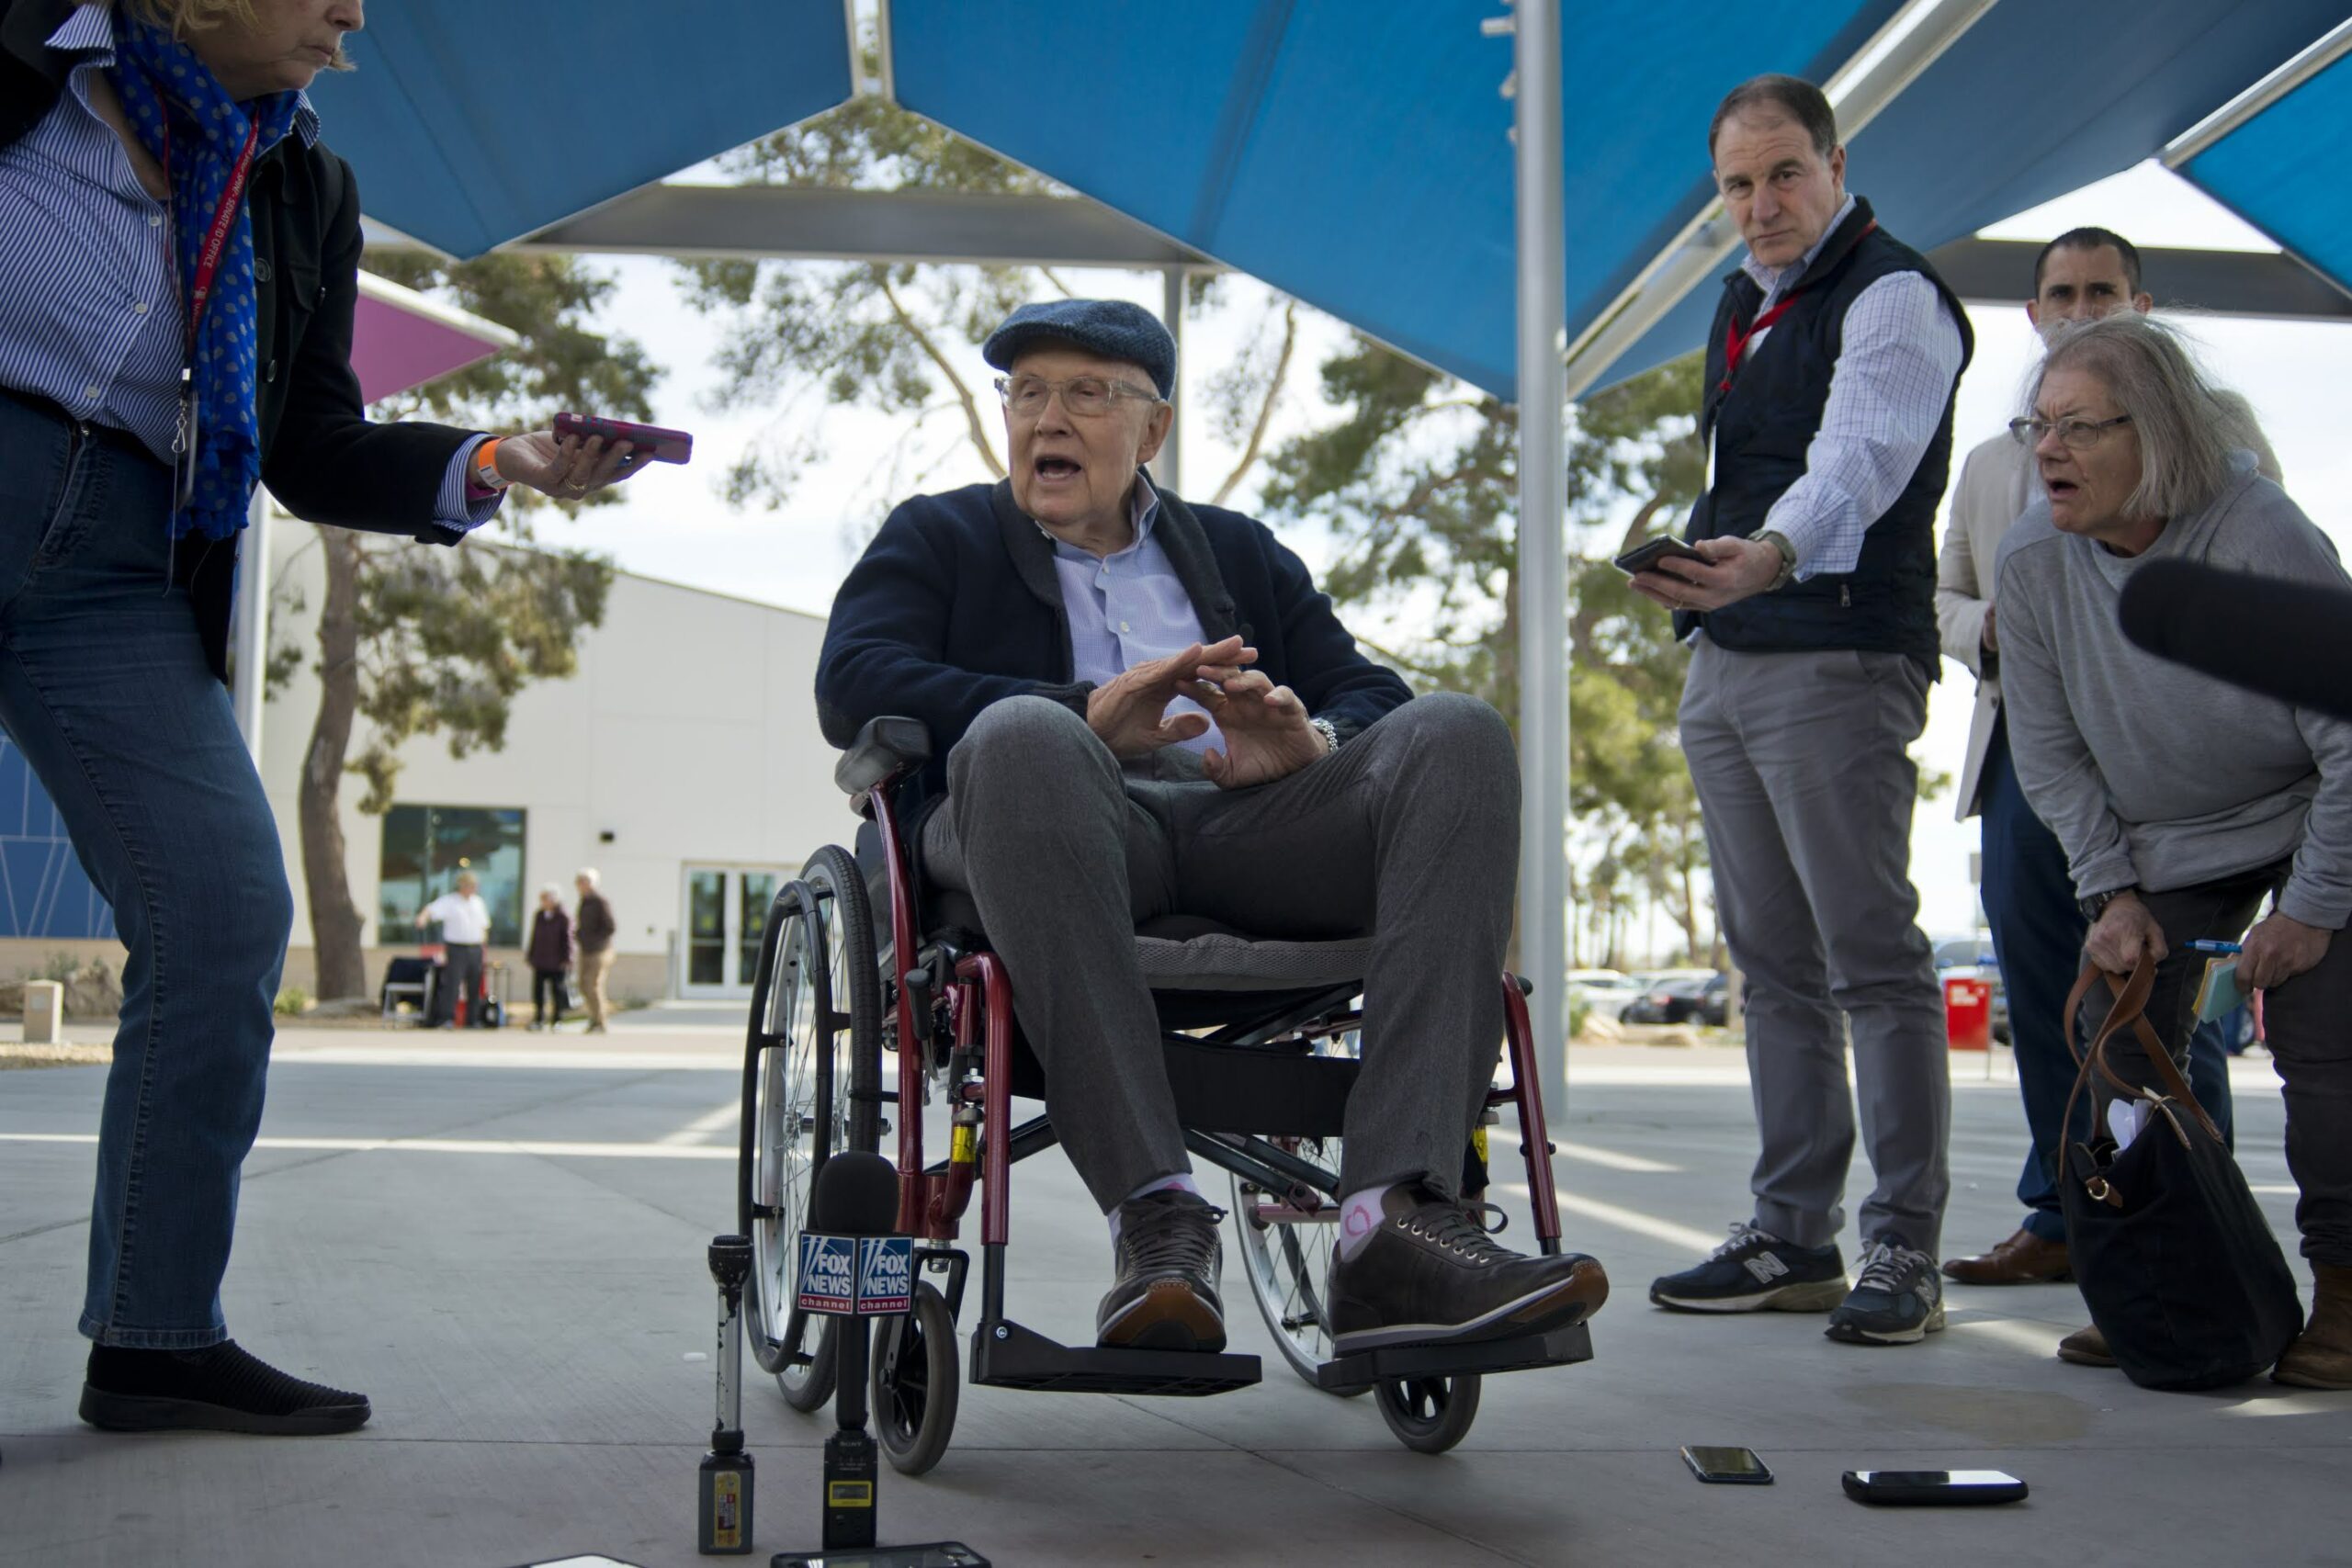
(2029, 901)
(2183, 802)
(550, 956)
(593, 931)
(179, 258)
(464, 921)
(1831, 369)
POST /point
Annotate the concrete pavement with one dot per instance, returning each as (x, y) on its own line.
(501, 1242)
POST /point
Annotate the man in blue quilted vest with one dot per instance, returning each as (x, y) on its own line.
(1831, 370)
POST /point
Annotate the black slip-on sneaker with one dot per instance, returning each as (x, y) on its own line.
(221, 1388)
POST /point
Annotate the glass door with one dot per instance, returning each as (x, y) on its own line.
(725, 920)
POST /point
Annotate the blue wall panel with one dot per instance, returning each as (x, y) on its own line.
(43, 890)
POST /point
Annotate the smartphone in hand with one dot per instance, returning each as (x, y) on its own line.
(651, 441)
(1650, 552)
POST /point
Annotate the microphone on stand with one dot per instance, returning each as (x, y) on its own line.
(2272, 636)
(856, 1195)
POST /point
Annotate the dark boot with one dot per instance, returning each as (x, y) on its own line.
(221, 1388)
(2320, 1356)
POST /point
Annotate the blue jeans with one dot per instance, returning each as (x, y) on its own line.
(2038, 940)
(103, 684)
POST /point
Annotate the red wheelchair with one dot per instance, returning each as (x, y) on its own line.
(1259, 1038)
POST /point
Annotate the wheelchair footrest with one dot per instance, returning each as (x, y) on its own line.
(1005, 1354)
(1560, 1348)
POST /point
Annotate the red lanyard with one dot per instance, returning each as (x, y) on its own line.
(1736, 337)
(224, 219)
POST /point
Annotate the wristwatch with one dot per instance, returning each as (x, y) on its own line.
(2096, 905)
(1780, 542)
(1328, 731)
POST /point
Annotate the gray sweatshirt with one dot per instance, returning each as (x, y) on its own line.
(2151, 774)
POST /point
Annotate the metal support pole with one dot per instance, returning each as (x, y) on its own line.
(1166, 469)
(1542, 545)
(252, 630)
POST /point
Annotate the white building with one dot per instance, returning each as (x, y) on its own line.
(682, 762)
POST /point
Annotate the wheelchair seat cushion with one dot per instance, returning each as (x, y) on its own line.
(1186, 953)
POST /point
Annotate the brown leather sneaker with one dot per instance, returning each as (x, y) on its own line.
(2320, 1356)
(2086, 1346)
(2024, 1259)
(1169, 1257)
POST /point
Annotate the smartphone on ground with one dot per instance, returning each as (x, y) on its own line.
(1727, 1467)
(656, 444)
(1932, 1487)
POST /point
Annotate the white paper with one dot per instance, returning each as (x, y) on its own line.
(2124, 1120)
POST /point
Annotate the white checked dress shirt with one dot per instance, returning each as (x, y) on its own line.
(1900, 352)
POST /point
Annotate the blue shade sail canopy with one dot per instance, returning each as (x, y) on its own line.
(2042, 97)
(2281, 172)
(470, 125)
(1358, 156)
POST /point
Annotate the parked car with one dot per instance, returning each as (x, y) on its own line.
(1701, 997)
(1607, 989)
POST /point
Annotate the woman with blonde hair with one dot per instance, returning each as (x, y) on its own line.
(2183, 803)
(178, 266)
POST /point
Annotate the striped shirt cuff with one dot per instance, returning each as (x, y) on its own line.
(462, 506)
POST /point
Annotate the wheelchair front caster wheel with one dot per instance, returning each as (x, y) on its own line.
(915, 1383)
(1429, 1415)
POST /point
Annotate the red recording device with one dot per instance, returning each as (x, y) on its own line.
(649, 441)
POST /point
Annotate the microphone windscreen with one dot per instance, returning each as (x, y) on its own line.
(2271, 635)
(856, 1194)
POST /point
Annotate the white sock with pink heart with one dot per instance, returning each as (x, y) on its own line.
(1360, 1215)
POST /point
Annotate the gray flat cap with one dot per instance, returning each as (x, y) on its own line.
(1112, 328)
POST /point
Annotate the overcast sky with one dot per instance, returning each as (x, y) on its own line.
(677, 525)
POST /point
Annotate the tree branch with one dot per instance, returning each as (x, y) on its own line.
(977, 427)
(1265, 409)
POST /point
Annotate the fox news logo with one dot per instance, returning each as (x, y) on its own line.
(828, 1273)
(886, 1271)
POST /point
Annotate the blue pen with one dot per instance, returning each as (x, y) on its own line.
(2204, 946)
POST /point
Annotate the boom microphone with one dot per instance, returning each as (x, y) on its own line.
(856, 1194)
(2267, 635)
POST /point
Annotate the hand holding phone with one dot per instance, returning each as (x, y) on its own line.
(649, 442)
(1646, 556)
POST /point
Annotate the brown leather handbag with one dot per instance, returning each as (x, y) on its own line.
(2174, 1256)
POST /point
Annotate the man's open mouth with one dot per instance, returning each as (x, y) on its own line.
(1057, 468)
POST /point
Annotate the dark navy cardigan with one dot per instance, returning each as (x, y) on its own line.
(955, 606)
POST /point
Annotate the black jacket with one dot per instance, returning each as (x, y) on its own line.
(321, 457)
(955, 606)
(1762, 430)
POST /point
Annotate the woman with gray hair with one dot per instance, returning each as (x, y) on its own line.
(2182, 802)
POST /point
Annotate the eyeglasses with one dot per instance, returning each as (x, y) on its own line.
(2079, 433)
(1084, 397)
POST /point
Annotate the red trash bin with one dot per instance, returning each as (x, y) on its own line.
(1968, 1014)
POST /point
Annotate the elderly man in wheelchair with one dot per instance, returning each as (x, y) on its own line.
(1139, 709)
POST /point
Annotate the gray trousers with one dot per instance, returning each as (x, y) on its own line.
(1803, 775)
(1408, 834)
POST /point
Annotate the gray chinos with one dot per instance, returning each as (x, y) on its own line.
(1408, 834)
(1803, 773)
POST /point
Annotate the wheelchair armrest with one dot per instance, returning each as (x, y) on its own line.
(886, 749)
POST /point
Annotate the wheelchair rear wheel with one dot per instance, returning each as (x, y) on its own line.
(1288, 1261)
(1430, 1415)
(915, 1386)
(816, 1035)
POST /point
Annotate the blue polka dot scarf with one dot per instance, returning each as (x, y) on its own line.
(157, 76)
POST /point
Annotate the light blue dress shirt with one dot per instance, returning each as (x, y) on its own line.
(1128, 608)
